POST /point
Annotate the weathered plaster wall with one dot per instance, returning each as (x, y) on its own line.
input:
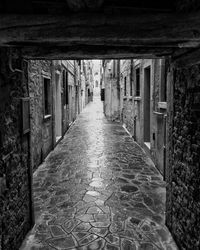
(157, 145)
(128, 114)
(137, 120)
(112, 99)
(15, 203)
(128, 108)
(112, 91)
(41, 129)
(72, 95)
(183, 190)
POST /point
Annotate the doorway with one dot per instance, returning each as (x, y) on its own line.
(147, 90)
(58, 108)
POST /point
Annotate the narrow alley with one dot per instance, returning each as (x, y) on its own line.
(98, 190)
(99, 125)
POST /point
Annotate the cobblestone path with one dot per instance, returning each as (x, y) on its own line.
(98, 190)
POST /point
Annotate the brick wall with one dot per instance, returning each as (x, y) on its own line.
(183, 190)
(14, 156)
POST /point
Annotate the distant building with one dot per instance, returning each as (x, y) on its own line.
(96, 77)
(111, 89)
(89, 80)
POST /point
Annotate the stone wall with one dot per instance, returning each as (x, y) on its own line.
(183, 190)
(41, 129)
(14, 156)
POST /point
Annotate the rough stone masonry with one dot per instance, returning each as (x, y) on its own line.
(183, 190)
(15, 203)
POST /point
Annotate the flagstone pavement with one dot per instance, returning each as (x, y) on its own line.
(98, 190)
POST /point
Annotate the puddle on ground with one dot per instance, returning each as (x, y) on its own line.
(129, 189)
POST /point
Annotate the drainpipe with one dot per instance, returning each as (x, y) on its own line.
(110, 97)
(134, 124)
(10, 64)
(164, 147)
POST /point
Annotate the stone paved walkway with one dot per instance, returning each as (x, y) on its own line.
(98, 190)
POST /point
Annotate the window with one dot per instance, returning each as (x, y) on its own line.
(47, 101)
(97, 84)
(125, 86)
(146, 106)
(137, 86)
(131, 88)
(114, 68)
(65, 86)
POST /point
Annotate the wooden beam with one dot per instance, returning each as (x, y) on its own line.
(102, 28)
(150, 31)
(93, 51)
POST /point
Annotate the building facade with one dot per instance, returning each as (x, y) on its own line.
(136, 92)
(149, 103)
(55, 101)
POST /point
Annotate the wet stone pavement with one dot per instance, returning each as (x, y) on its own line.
(98, 190)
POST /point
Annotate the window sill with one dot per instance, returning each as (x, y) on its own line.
(162, 105)
(125, 97)
(47, 117)
(158, 113)
(137, 98)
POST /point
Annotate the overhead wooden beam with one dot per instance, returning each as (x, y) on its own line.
(65, 6)
(93, 51)
(150, 31)
(157, 28)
